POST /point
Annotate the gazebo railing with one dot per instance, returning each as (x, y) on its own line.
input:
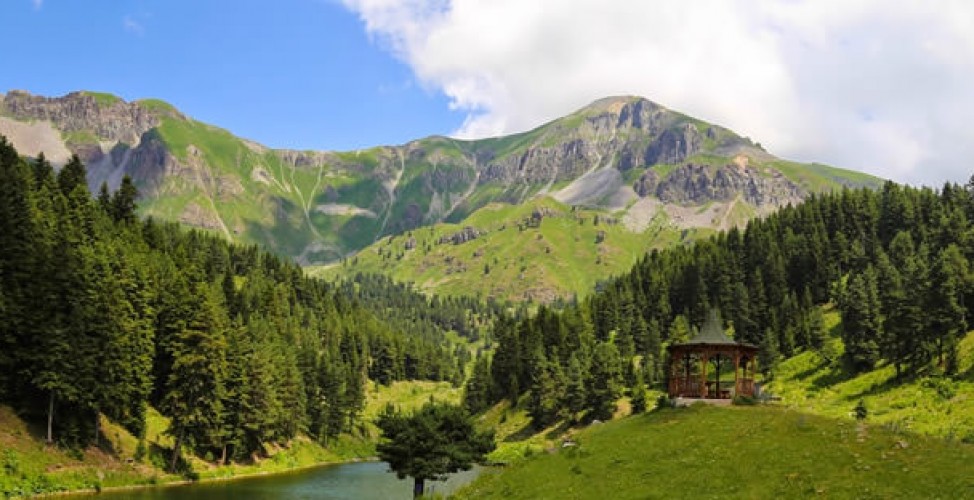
(695, 389)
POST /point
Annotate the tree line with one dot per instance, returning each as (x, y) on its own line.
(102, 313)
(894, 262)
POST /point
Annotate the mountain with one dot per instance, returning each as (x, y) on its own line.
(622, 155)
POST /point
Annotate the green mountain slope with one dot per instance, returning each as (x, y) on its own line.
(620, 154)
(540, 250)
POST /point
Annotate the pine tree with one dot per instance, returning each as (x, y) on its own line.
(948, 319)
(123, 201)
(861, 320)
(638, 394)
(605, 380)
(575, 396)
(72, 176)
(768, 353)
(195, 388)
(547, 390)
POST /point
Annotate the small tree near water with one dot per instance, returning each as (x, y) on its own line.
(435, 440)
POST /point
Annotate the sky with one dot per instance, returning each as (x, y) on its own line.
(877, 86)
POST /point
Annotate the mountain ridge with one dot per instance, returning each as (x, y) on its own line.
(322, 206)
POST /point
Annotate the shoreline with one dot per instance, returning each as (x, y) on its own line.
(88, 492)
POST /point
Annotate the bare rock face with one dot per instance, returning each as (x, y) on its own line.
(698, 184)
(118, 121)
(674, 145)
(646, 184)
(466, 234)
(618, 133)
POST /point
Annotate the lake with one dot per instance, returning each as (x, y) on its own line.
(360, 480)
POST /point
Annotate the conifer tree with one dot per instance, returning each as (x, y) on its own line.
(605, 380)
(575, 387)
(638, 394)
(195, 390)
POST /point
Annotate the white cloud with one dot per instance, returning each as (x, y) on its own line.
(37, 4)
(885, 87)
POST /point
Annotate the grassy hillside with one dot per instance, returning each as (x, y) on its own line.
(927, 404)
(737, 452)
(518, 255)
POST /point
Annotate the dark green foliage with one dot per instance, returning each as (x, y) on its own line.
(637, 394)
(101, 313)
(123, 205)
(435, 440)
(478, 392)
(860, 410)
(605, 382)
(547, 390)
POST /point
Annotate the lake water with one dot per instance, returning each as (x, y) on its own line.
(361, 480)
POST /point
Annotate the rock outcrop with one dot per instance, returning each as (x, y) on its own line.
(109, 119)
(699, 184)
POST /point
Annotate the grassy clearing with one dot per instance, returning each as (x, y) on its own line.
(737, 452)
(930, 405)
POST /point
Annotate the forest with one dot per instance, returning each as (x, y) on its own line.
(102, 313)
(894, 262)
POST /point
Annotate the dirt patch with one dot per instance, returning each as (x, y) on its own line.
(31, 139)
(342, 209)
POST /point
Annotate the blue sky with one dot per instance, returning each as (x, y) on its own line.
(877, 86)
(300, 74)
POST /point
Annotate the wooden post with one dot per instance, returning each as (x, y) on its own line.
(717, 384)
(737, 369)
(704, 359)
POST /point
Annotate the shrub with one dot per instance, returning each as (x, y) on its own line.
(664, 401)
(744, 401)
(861, 411)
(944, 387)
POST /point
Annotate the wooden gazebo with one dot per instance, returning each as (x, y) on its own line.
(690, 360)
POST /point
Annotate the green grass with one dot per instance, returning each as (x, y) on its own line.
(80, 137)
(559, 258)
(158, 106)
(103, 99)
(736, 452)
(928, 404)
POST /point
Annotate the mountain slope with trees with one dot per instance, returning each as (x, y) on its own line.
(104, 314)
(895, 262)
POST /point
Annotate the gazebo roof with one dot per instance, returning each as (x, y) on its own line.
(712, 334)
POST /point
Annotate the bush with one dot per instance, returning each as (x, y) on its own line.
(664, 401)
(861, 411)
(744, 401)
(944, 387)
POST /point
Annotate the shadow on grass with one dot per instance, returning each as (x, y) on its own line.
(523, 433)
(883, 386)
(558, 431)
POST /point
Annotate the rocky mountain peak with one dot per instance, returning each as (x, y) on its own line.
(107, 117)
